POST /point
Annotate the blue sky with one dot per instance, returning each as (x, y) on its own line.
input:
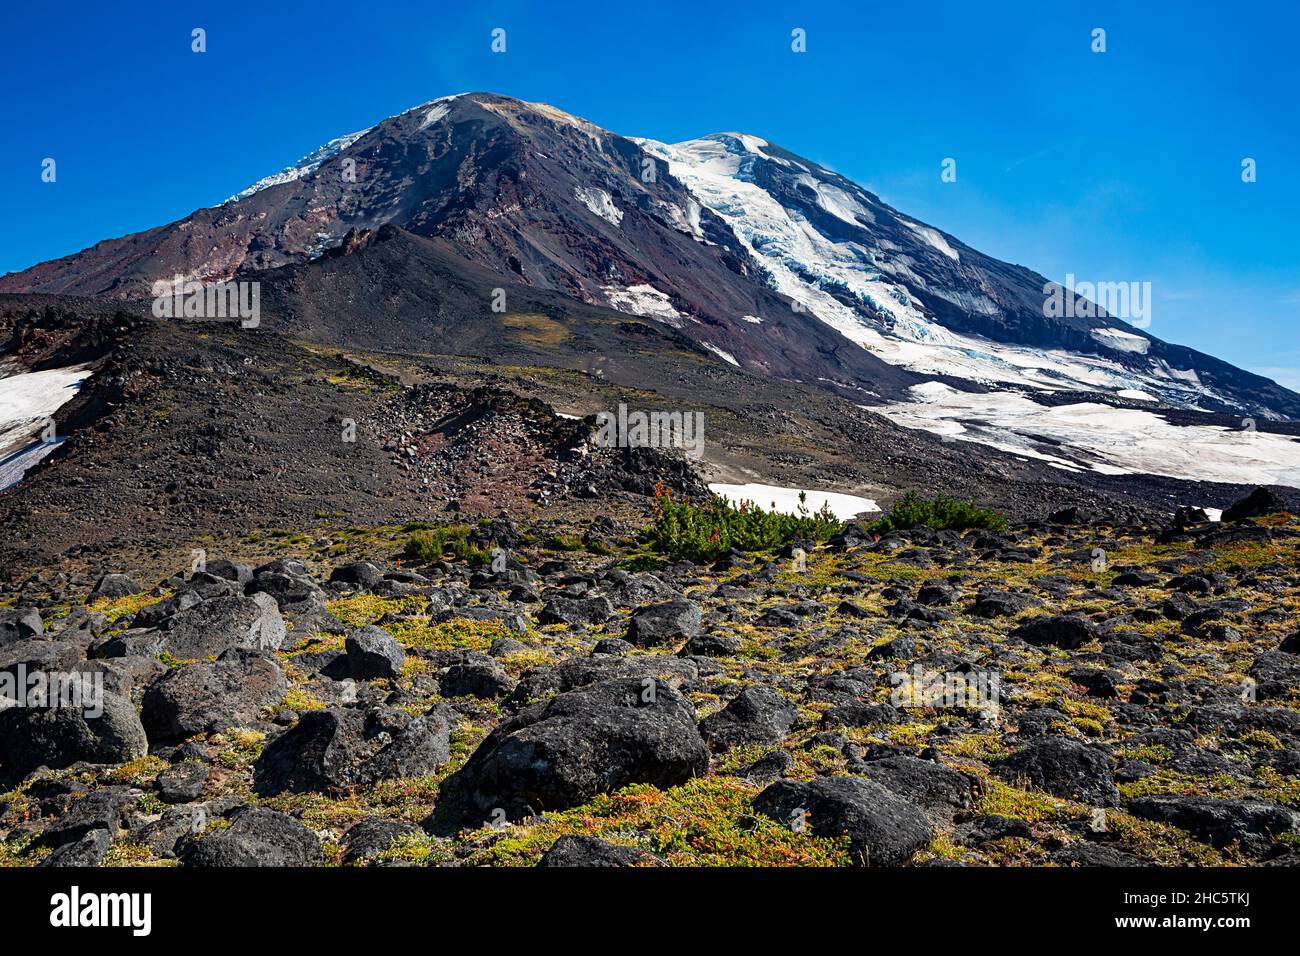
(1116, 166)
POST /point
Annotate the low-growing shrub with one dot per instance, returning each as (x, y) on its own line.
(940, 513)
(426, 547)
(703, 532)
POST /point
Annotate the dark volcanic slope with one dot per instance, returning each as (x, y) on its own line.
(396, 291)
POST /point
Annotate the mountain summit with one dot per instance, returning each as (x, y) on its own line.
(768, 261)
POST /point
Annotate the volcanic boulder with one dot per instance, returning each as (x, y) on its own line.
(562, 752)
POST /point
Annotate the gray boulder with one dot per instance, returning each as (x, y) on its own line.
(883, 828)
(55, 737)
(580, 850)
(219, 624)
(1066, 631)
(20, 624)
(205, 697)
(1063, 768)
(256, 837)
(112, 586)
(1255, 824)
(671, 622)
(374, 654)
(340, 748)
(756, 716)
(562, 752)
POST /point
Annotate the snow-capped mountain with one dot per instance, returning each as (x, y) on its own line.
(769, 262)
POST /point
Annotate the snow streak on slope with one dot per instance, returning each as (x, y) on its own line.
(807, 266)
(308, 164)
(800, 259)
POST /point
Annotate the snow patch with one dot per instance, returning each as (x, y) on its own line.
(1122, 341)
(599, 202)
(786, 500)
(836, 201)
(435, 114)
(27, 401)
(933, 238)
(644, 300)
(725, 356)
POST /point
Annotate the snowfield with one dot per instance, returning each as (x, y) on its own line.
(27, 400)
(1100, 438)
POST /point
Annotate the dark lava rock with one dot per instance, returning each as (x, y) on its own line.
(372, 837)
(1098, 683)
(234, 571)
(20, 624)
(55, 737)
(219, 624)
(983, 830)
(362, 575)
(1258, 503)
(288, 582)
(112, 586)
(756, 716)
(182, 782)
(670, 622)
(89, 849)
(343, 747)
(856, 714)
(575, 611)
(768, 768)
(374, 654)
(1067, 631)
(778, 617)
(476, 677)
(257, 837)
(506, 647)
(923, 782)
(938, 593)
(712, 645)
(205, 697)
(562, 752)
(579, 671)
(991, 604)
(900, 648)
(581, 850)
(1063, 768)
(883, 828)
(1083, 853)
(100, 810)
(1255, 823)
(1275, 673)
